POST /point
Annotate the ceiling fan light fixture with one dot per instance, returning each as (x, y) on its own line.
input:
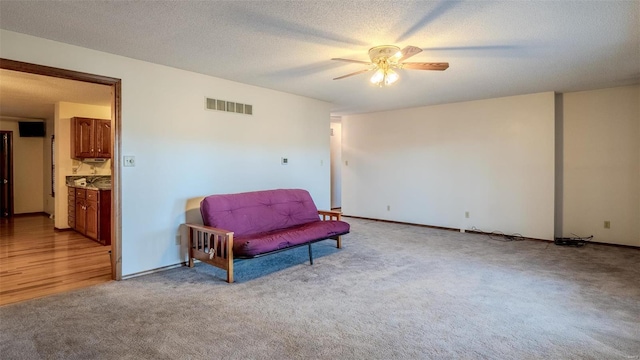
(391, 77)
(385, 58)
(377, 77)
(384, 77)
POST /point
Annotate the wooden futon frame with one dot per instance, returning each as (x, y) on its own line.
(215, 246)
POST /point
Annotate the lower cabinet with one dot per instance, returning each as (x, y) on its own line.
(92, 213)
(91, 225)
(81, 213)
(71, 216)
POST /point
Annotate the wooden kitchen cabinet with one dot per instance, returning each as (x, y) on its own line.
(103, 138)
(71, 215)
(90, 138)
(92, 213)
(91, 209)
(81, 217)
(81, 212)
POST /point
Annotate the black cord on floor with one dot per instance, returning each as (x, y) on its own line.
(576, 241)
(499, 235)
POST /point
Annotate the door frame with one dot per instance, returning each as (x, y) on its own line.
(10, 169)
(116, 117)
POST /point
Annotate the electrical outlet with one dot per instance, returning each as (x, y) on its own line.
(129, 160)
(466, 214)
(607, 224)
(321, 162)
(346, 163)
(284, 161)
(388, 207)
(178, 239)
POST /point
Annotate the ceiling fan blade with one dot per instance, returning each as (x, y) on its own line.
(353, 61)
(425, 66)
(480, 47)
(355, 73)
(408, 52)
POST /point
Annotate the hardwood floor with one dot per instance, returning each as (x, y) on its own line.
(37, 261)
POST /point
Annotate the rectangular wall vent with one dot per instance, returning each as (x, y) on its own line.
(221, 105)
(228, 106)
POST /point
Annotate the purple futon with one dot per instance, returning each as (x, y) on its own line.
(251, 224)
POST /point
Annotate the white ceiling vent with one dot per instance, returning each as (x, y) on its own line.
(228, 106)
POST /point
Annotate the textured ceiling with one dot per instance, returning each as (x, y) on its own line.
(494, 48)
(25, 95)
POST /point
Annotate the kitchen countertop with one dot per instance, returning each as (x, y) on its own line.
(94, 182)
(92, 187)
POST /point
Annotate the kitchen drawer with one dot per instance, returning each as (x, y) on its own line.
(71, 191)
(71, 203)
(81, 193)
(92, 195)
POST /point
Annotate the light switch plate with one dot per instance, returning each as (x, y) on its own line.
(129, 160)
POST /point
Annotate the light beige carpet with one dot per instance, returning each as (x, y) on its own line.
(394, 292)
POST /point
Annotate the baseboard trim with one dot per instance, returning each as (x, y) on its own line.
(615, 245)
(37, 213)
(405, 223)
(478, 232)
(152, 271)
(61, 230)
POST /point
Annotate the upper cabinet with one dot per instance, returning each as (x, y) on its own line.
(90, 138)
(103, 138)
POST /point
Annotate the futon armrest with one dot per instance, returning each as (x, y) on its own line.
(332, 215)
(209, 229)
(211, 245)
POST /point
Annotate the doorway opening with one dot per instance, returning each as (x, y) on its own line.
(336, 163)
(115, 117)
(6, 173)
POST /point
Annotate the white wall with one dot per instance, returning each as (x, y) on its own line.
(601, 180)
(336, 165)
(183, 151)
(28, 175)
(493, 158)
(64, 111)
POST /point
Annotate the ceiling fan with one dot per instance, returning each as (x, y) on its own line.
(385, 58)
